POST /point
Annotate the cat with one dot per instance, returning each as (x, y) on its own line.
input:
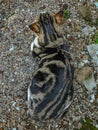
(51, 90)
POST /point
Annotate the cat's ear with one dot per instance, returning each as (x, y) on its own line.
(35, 27)
(59, 17)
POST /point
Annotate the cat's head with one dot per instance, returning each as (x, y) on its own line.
(46, 27)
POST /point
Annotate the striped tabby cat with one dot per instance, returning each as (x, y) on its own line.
(51, 90)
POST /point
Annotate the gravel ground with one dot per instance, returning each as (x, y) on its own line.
(17, 64)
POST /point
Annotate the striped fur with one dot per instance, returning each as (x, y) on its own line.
(51, 90)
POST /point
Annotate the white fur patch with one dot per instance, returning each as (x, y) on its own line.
(32, 46)
(35, 42)
(29, 98)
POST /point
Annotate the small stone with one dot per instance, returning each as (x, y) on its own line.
(23, 123)
(80, 65)
(85, 61)
(17, 108)
(96, 4)
(12, 48)
(43, 7)
(79, 35)
(78, 28)
(91, 97)
(78, 109)
(13, 103)
(79, 125)
(88, 30)
(95, 60)
(90, 83)
(96, 126)
(22, 10)
(93, 50)
(14, 129)
(13, 80)
(83, 73)
(85, 12)
(22, 111)
(20, 128)
(96, 52)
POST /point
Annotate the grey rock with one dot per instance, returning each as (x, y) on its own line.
(97, 126)
(90, 83)
(88, 30)
(93, 50)
(96, 52)
(86, 61)
(84, 73)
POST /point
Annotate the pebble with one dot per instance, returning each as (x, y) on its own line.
(13, 103)
(96, 126)
(96, 4)
(14, 129)
(17, 108)
(79, 125)
(12, 48)
(23, 123)
(86, 61)
(20, 127)
(23, 111)
(80, 65)
(13, 80)
(96, 52)
(92, 97)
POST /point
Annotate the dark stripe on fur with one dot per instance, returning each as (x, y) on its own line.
(59, 72)
(65, 91)
(50, 34)
(59, 56)
(42, 24)
(68, 87)
(59, 96)
(46, 86)
(39, 77)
